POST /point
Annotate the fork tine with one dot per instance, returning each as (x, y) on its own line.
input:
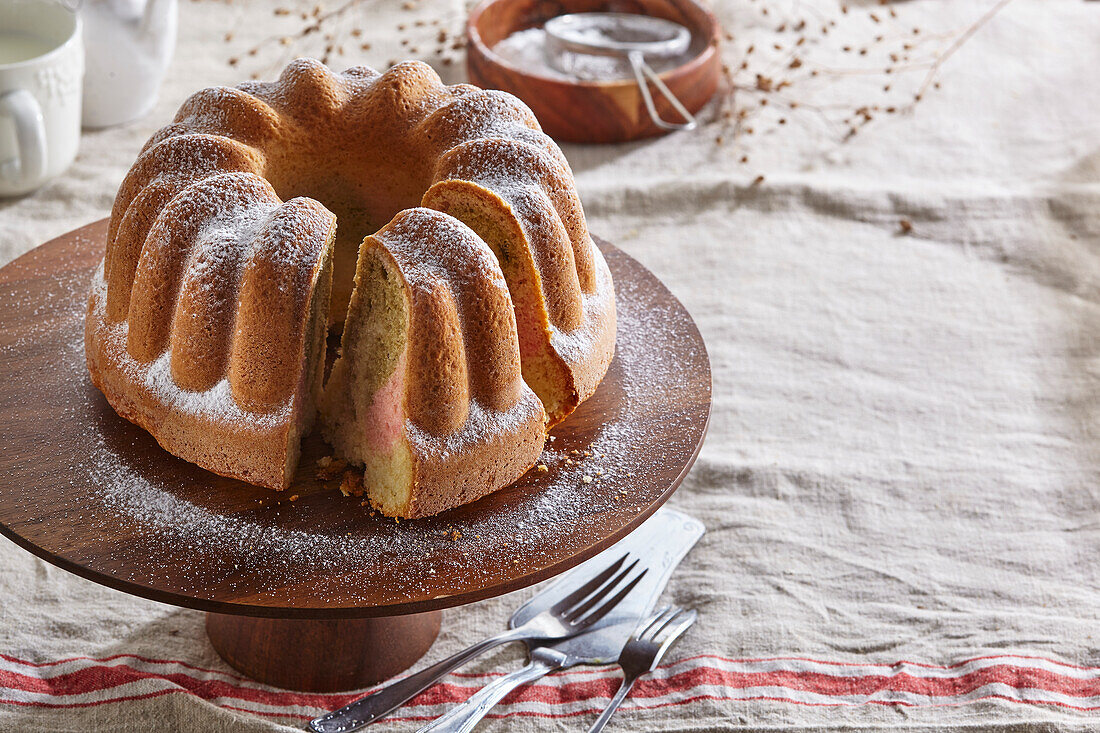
(603, 610)
(671, 634)
(654, 629)
(657, 616)
(578, 611)
(581, 593)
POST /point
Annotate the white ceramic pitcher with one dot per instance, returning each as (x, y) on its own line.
(129, 44)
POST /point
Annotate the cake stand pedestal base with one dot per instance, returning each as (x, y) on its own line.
(326, 655)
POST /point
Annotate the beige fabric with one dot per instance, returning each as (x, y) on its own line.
(903, 455)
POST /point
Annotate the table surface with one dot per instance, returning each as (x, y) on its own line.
(903, 456)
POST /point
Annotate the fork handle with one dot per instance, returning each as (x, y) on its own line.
(462, 718)
(368, 709)
(616, 701)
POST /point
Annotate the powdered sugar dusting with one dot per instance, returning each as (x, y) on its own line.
(529, 51)
(577, 345)
(511, 168)
(216, 403)
(481, 424)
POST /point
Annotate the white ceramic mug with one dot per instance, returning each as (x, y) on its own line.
(128, 45)
(41, 77)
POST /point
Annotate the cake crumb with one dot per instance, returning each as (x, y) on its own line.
(542, 468)
(586, 479)
(293, 498)
(352, 485)
(329, 467)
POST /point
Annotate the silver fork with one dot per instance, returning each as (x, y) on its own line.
(568, 617)
(644, 652)
(545, 658)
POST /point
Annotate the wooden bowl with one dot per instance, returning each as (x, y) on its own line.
(592, 111)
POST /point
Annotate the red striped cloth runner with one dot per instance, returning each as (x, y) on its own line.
(84, 682)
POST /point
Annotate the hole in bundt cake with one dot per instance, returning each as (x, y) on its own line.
(361, 193)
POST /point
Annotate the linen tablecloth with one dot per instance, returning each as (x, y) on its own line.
(900, 483)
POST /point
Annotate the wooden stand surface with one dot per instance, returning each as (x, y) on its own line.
(86, 490)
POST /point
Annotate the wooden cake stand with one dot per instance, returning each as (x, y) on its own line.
(307, 589)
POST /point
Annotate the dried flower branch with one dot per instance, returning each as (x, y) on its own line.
(775, 78)
(331, 34)
(958, 43)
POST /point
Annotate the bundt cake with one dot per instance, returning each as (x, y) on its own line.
(204, 327)
(433, 428)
